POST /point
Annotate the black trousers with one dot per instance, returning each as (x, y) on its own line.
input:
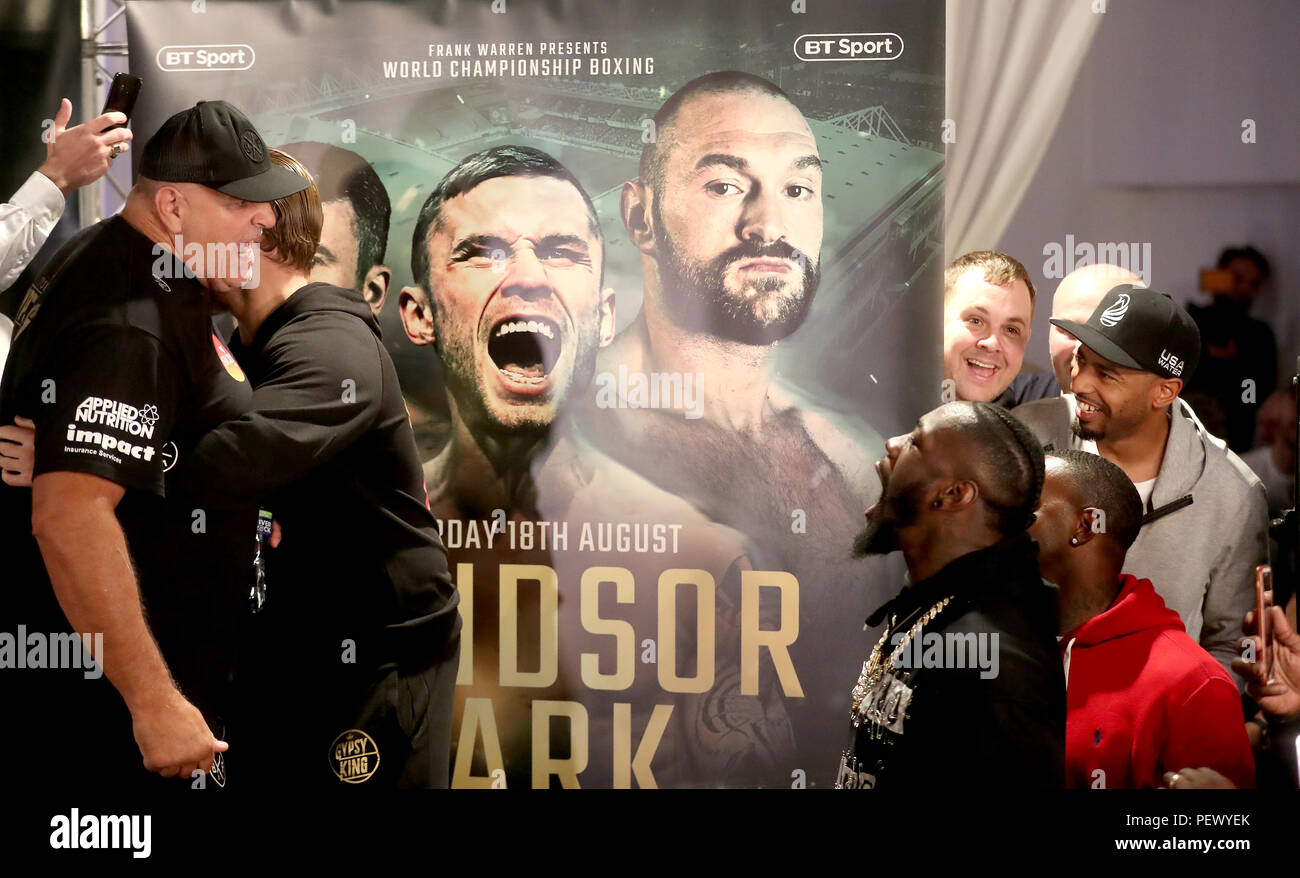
(326, 725)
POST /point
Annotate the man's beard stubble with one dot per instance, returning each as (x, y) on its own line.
(880, 536)
(1122, 422)
(1082, 432)
(697, 299)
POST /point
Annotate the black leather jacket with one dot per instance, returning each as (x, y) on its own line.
(979, 696)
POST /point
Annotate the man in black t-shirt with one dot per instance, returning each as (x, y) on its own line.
(113, 359)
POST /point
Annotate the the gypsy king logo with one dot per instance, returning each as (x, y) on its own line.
(354, 756)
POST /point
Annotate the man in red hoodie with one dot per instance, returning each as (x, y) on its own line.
(1142, 697)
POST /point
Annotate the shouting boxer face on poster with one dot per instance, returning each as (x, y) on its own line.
(509, 257)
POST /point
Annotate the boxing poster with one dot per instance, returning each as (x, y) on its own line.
(652, 331)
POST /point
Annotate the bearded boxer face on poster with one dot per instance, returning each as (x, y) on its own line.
(727, 214)
(727, 217)
(738, 218)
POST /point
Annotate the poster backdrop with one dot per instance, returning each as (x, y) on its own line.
(649, 403)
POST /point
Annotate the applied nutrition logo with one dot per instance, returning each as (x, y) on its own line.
(113, 415)
(98, 418)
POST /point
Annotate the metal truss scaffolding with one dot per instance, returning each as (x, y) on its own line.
(100, 59)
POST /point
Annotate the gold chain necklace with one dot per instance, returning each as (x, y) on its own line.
(873, 669)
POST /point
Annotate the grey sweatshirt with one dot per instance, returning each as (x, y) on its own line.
(1206, 527)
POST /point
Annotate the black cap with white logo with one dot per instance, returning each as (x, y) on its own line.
(1141, 329)
(214, 144)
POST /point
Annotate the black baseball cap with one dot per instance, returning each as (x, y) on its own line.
(1141, 329)
(214, 144)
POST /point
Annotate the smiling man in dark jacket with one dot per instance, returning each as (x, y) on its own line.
(965, 680)
(350, 667)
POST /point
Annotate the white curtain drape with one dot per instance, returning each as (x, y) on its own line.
(1011, 65)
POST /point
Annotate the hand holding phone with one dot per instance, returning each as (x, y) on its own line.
(83, 153)
(122, 95)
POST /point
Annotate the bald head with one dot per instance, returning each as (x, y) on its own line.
(1076, 297)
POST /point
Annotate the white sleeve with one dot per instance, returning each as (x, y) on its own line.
(6, 332)
(26, 220)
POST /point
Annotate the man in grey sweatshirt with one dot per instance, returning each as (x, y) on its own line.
(1206, 521)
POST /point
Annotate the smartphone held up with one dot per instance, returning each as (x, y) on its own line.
(122, 95)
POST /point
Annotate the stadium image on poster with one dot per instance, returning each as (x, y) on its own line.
(657, 279)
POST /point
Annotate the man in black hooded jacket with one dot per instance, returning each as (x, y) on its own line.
(349, 666)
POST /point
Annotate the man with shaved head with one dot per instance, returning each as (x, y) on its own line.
(1142, 697)
(115, 360)
(1075, 299)
(965, 676)
(727, 217)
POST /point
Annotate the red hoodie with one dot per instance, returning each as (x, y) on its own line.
(1143, 698)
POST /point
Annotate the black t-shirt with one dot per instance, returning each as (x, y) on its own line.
(196, 571)
(115, 358)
